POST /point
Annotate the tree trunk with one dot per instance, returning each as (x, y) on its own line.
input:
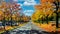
(57, 20)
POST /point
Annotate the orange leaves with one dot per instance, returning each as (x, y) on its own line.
(59, 0)
(47, 8)
(38, 7)
(6, 6)
(45, 1)
(46, 27)
(1, 15)
(3, 5)
(8, 9)
(44, 6)
(8, 27)
(42, 11)
(1, 12)
(48, 5)
(51, 1)
(48, 12)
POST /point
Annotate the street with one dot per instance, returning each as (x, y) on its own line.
(29, 28)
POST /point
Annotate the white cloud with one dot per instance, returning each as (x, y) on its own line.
(18, 0)
(29, 2)
(28, 12)
(15, 0)
(20, 4)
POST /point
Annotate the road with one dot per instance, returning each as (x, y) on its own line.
(29, 28)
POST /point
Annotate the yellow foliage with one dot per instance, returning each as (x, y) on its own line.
(46, 27)
(45, 8)
(48, 12)
(1, 12)
(1, 15)
(42, 11)
(58, 29)
(13, 17)
(8, 27)
(38, 14)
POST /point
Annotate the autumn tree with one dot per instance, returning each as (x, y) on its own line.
(57, 4)
(44, 11)
(6, 12)
(47, 9)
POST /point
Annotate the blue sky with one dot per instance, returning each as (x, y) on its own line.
(27, 5)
